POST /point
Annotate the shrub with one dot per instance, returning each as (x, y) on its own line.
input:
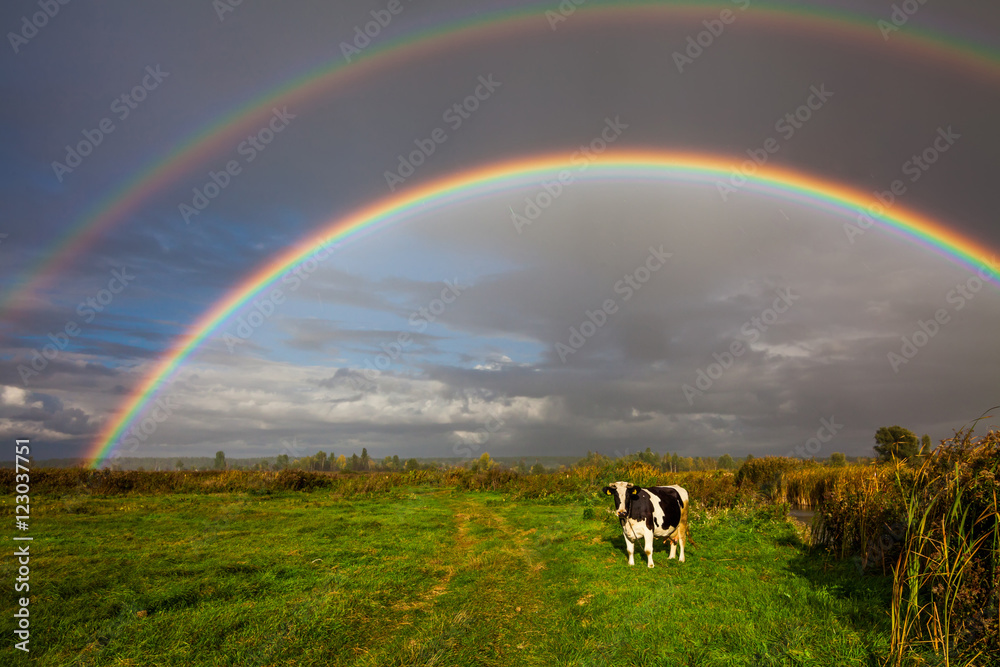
(947, 581)
(765, 476)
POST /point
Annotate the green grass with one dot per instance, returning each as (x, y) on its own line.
(435, 577)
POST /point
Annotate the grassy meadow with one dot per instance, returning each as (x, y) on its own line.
(439, 577)
(498, 568)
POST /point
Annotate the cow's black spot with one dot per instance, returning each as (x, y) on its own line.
(671, 503)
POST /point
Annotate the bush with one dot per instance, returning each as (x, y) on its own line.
(765, 476)
(947, 582)
(292, 479)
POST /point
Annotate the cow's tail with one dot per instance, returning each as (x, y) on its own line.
(682, 527)
(680, 535)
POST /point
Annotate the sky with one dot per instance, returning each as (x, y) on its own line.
(618, 310)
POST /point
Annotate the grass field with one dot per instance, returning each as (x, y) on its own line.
(433, 577)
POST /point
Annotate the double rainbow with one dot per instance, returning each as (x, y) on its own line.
(222, 132)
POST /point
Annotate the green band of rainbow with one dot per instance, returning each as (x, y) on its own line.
(694, 167)
(227, 130)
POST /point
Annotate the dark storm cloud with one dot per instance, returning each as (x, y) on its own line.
(556, 90)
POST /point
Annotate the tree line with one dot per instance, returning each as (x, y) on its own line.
(891, 442)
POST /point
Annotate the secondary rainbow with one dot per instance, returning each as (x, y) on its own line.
(225, 131)
(696, 167)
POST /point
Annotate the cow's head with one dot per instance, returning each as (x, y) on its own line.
(623, 493)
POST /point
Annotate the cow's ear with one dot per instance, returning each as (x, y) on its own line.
(635, 490)
(607, 490)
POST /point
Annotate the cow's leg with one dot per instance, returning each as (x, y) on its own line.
(649, 548)
(682, 530)
(631, 550)
(673, 549)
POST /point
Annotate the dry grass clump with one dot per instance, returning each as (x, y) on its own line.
(946, 590)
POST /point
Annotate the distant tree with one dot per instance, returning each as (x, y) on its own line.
(838, 459)
(179, 465)
(485, 462)
(925, 445)
(726, 462)
(355, 462)
(281, 462)
(522, 468)
(396, 465)
(411, 464)
(220, 460)
(341, 462)
(592, 459)
(537, 469)
(895, 442)
(685, 464)
(649, 457)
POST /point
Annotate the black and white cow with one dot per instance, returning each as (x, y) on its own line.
(651, 512)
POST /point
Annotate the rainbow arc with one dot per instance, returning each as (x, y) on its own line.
(700, 168)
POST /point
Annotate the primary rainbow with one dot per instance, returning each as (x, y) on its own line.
(226, 129)
(691, 167)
